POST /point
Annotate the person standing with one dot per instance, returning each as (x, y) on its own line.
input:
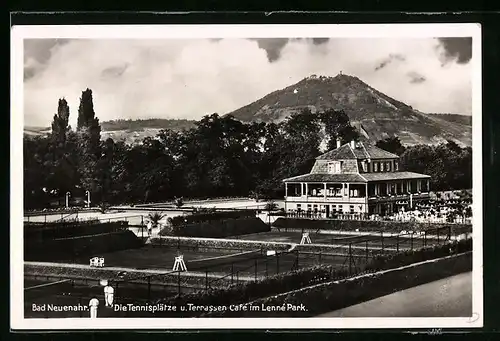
(108, 295)
(94, 303)
(150, 228)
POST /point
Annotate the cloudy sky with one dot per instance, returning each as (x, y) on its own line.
(191, 78)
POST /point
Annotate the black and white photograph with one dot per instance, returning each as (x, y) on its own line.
(246, 177)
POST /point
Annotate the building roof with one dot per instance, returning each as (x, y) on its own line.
(364, 177)
(394, 176)
(361, 151)
(326, 178)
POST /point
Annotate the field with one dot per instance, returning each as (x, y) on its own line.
(208, 267)
(149, 257)
(371, 241)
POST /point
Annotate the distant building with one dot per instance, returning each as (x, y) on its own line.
(356, 178)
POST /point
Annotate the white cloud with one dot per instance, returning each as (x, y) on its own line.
(190, 78)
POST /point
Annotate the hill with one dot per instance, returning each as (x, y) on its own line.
(377, 115)
(139, 125)
(455, 118)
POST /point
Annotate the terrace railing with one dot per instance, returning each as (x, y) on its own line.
(371, 217)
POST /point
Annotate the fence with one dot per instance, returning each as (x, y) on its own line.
(47, 219)
(54, 230)
(372, 217)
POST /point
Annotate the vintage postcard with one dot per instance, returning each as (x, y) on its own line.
(246, 177)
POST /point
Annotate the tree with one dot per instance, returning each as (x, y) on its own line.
(337, 126)
(449, 167)
(60, 124)
(89, 138)
(155, 218)
(392, 145)
(178, 202)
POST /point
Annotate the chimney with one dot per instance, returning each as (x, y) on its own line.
(353, 144)
(338, 143)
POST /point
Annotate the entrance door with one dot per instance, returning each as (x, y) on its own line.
(327, 211)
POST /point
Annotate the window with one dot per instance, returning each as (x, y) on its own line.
(334, 167)
(340, 209)
(375, 166)
(388, 166)
(299, 207)
(315, 208)
(334, 208)
(396, 166)
(309, 207)
(351, 208)
(364, 166)
(381, 166)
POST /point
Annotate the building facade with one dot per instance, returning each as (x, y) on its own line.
(356, 178)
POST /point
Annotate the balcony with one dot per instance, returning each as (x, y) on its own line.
(329, 199)
(398, 197)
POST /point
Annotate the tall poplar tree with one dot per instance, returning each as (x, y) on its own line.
(89, 140)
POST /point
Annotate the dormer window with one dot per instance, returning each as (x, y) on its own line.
(364, 166)
(388, 166)
(375, 166)
(334, 167)
(396, 166)
(381, 166)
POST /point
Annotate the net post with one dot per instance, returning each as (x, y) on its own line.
(149, 287)
(179, 282)
(350, 258)
(255, 270)
(366, 251)
(277, 263)
(232, 272)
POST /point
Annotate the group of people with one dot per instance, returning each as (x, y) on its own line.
(109, 293)
(442, 215)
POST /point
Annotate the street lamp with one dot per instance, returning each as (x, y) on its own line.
(68, 194)
(88, 198)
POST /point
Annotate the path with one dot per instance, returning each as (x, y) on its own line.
(449, 297)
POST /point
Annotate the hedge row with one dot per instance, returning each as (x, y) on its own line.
(78, 248)
(326, 297)
(368, 225)
(68, 229)
(395, 260)
(286, 282)
(209, 243)
(218, 228)
(206, 217)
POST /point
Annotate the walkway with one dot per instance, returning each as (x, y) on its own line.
(449, 297)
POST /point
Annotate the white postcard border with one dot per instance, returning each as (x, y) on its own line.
(18, 33)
